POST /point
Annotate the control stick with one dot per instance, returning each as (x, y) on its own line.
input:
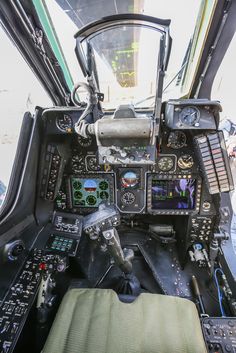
(102, 224)
(112, 241)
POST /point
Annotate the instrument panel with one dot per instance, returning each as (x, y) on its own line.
(86, 184)
(173, 185)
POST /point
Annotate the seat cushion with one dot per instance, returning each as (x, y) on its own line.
(96, 321)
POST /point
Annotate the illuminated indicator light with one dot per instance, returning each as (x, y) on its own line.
(42, 266)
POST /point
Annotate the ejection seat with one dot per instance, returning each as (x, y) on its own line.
(96, 321)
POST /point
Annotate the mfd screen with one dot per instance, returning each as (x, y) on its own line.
(173, 194)
(89, 192)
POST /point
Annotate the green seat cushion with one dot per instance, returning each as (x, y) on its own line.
(96, 321)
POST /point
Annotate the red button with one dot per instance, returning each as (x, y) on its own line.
(42, 266)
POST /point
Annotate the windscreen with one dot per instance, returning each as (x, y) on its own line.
(121, 56)
(138, 50)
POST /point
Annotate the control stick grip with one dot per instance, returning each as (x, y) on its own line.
(112, 241)
(195, 286)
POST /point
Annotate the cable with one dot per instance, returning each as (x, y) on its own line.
(81, 126)
(220, 297)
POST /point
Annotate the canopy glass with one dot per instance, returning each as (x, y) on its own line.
(127, 59)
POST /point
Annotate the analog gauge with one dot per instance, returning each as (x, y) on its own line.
(78, 195)
(64, 123)
(92, 163)
(104, 195)
(129, 179)
(185, 161)
(77, 163)
(103, 185)
(165, 164)
(91, 200)
(128, 198)
(85, 142)
(190, 116)
(77, 185)
(176, 140)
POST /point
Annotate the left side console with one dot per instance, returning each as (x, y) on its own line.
(59, 241)
(21, 295)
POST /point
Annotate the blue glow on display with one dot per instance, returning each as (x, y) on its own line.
(173, 194)
(90, 184)
(130, 175)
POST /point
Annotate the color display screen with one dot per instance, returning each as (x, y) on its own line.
(89, 192)
(173, 194)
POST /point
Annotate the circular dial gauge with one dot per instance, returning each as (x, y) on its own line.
(78, 195)
(92, 163)
(129, 179)
(165, 164)
(77, 163)
(190, 116)
(85, 142)
(64, 123)
(77, 185)
(91, 200)
(176, 139)
(104, 195)
(185, 161)
(103, 185)
(128, 198)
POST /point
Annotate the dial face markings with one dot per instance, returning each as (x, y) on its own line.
(128, 198)
(77, 163)
(78, 194)
(103, 185)
(189, 116)
(176, 140)
(85, 142)
(165, 164)
(185, 161)
(64, 123)
(104, 195)
(91, 163)
(77, 185)
(91, 200)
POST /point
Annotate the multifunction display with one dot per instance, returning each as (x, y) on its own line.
(90, 192)
(173, 194)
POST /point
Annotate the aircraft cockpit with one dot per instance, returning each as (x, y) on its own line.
(115, 231)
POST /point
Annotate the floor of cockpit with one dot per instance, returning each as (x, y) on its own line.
(156, 266)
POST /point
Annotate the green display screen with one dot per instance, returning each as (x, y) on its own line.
(90, 192)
